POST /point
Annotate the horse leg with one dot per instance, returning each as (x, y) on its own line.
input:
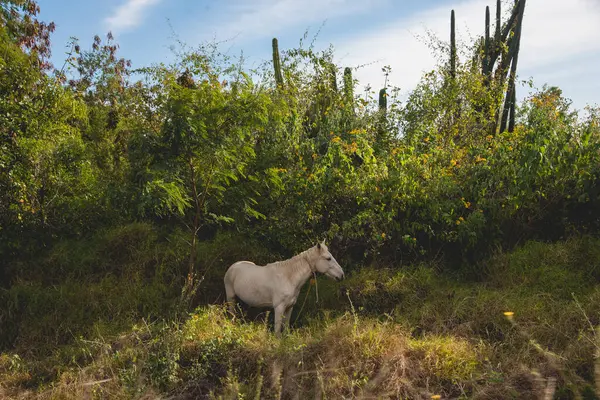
(279, 311)
(287, 317)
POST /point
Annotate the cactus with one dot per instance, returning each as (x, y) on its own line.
(486, 52)
(348, 94)
(333, 77)
(511, 114)
(277, 64)
(503, 36)
(348, 85)
(452, 46)
(498, 22)
(512, 92)
(383, 99)
(513, 54)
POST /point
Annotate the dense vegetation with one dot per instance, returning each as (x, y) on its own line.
(123, 200)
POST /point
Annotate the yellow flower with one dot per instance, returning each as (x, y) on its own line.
(509, 315)
(436, 396)
(467, 204)
(383, 235)
(335, 139)
(426, 140)
(453, 162)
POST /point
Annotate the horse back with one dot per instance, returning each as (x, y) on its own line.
(233, 268)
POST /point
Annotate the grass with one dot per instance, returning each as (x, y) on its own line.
(382, 333)
(210, 355)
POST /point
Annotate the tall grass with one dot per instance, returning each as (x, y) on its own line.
(416, 332)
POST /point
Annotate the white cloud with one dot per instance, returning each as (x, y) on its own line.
(557, 35)
(129, 15)
(254, 19)
(556, 30)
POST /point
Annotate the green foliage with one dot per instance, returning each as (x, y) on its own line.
(114, 277)
(112, 190)
(223, 151)
(48, 183)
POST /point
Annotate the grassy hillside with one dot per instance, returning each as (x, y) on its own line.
(412, 332)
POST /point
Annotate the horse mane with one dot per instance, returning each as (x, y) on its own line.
(293, 261)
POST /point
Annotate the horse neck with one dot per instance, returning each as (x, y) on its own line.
(299, 269)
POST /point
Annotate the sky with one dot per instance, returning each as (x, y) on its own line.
(560, 43)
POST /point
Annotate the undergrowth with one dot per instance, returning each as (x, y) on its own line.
(525, 324)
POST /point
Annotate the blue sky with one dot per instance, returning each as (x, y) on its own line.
(560, 44)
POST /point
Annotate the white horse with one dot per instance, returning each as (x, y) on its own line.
(277, 285)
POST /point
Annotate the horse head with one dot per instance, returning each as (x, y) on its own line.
(326, 264)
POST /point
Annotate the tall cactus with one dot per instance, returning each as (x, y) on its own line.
(348, 85)
(486, 67)
(277, 64)
(510, 25)
(383, 99)
(452, 45)
(510, 100)
(498, 22)
(511, 114)
(348, 95)
(333, 77)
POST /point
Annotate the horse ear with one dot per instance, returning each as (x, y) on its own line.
(319, 246)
